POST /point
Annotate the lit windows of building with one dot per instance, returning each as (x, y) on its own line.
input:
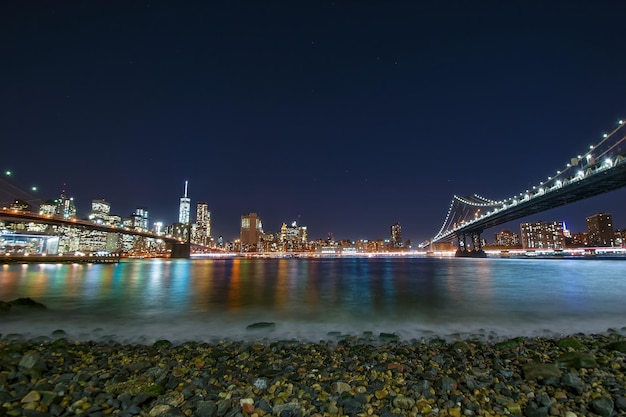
(507, 239)
(542, 235)
(100, 212)
(251, 231)
(202, 231)
(396, 236)
(184, 207)
(579, 240)
(140, 219)
(600, 230)
(48, 208)
(19, 205)
(293, 237)
(65, 206)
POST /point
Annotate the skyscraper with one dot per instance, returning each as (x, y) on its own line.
(202, 235)
(600, 230)
(140, 219)
(65, 206)
(184, 208)
(251, 231)
(396, 235)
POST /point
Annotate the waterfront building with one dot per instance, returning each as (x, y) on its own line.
(542, 235)
(600, 230)
(396, 236)
(293, 238)
(507, 239)
(579, 240)
(184, 208)
(251, 231)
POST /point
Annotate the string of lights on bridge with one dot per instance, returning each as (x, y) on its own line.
(560, 179)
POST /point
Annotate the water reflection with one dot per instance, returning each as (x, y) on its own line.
(389, 293)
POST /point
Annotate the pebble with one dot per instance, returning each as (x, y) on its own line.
(574, 377)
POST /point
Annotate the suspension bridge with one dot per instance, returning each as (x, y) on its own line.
(20, 206)
(599, 169)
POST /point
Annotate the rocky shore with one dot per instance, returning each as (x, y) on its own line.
(373, 375)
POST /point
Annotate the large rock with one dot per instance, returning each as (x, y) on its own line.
(570, 343)
(4, 307)
(540, 371)
(603, 406)
(620, 346)
(27, 302)
(576, 360)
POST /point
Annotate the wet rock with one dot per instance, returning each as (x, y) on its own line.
(570, 343)
(573, 383)
(534, 371)
(619, 346)
(261, 325)
(27, 302)
(533, 410)
(403, 403)
(603, 406)
(576, 360)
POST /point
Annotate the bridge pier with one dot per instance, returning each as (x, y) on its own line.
(180, 250)
(476, 251)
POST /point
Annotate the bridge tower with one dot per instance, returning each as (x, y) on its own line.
(476, 250)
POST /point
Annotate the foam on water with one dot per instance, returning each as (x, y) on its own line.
(147, 331)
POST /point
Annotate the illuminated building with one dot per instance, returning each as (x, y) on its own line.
(293, 238)
(600, 230)
(65, 206)
(184, 208)
(542, 235)
(48, 208)
(140, 219)
(202, 231)
(507, 238)
(396, 236)
(100, 212)
(251, 231)
(19, 205)
(579, 240)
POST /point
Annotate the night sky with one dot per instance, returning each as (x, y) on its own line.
(349, 116)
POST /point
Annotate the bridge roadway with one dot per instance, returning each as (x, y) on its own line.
(598, 182)
(60, 221)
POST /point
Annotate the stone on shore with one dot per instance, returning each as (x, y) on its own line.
(352, 376)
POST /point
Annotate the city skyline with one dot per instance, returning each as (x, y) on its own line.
(202, 221)
(349, 117)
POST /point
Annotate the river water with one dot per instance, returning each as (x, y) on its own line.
(141, 301)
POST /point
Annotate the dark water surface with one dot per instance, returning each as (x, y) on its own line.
(146, 300)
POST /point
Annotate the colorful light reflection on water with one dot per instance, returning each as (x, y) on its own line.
(211, 299)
